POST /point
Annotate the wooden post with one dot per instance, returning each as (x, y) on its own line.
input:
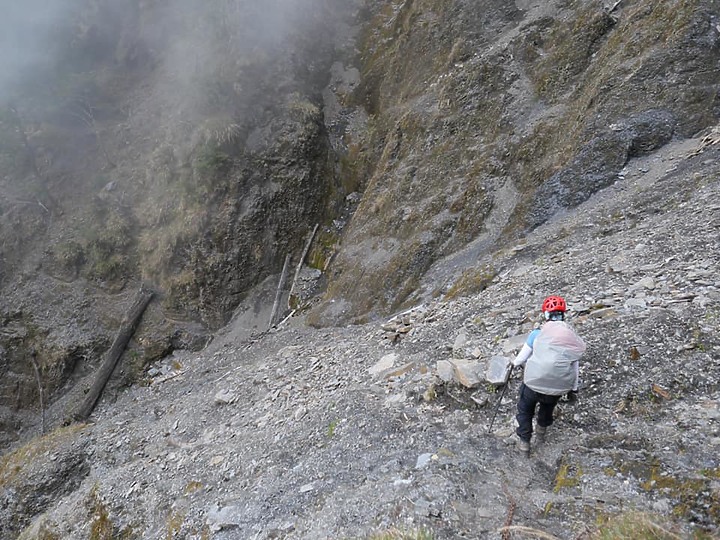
(33, 354)
(278, 294)
(299, 266)
(126, 331)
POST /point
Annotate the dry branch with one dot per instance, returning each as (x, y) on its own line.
(86, 115)
(126, 331)
(617, 3)
(512, 505)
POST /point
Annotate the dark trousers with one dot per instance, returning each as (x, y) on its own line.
(528, 401)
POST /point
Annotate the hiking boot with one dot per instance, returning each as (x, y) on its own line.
(524, 447)
(540, 432)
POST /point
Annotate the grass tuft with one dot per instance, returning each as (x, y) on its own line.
(636, 526)
(396, 534)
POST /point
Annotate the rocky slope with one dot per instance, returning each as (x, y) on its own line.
(463, 159)
(343, 432)
(180, 145)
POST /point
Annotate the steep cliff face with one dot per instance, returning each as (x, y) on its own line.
(486, 119)
(178, 144)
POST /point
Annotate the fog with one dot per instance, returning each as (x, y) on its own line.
(26, 32)
(188, 39)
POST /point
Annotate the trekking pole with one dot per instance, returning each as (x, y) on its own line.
(497, 408)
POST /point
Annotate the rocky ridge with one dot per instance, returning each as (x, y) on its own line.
(336, 433)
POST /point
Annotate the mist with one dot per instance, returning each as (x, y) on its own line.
(27, 32)
(190, 41)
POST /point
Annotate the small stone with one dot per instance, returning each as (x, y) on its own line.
(423, 460)
(636, 303)
(603, 313)
(300, 412)
(459, 344)
(395, 399)
(467, 373)
(617, 265)
(445, 370)
(498, 370)
(224, 397)
(385, 363)
(289, 351)
(644, 283)
(307, 488)
(514, 343)
(399, 372)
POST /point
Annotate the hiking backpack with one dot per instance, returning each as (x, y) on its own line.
(551, 368)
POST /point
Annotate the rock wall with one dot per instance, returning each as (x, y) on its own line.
(486, 119)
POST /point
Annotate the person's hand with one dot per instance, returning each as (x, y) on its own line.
(570, 397)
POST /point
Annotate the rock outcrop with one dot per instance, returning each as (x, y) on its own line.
(488, 119)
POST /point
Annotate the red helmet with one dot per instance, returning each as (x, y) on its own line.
(554, 303)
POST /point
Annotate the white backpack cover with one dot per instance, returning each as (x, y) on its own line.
(551, 368)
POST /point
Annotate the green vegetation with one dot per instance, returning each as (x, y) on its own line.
(303, 109)
(212, 160)
(331, 428)
(220, 131)
(174, 524)
(636, 526)
(472, 281)
(70, 256)
(192, 487)
(692, 494)
(101, 526)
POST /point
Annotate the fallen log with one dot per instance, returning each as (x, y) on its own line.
(126, 331)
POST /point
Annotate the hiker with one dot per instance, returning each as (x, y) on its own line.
(551, 358)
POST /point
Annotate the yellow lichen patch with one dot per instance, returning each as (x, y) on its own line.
(174, 524)
(691, 495)
(192, 487)
(568, 476)
(101, 527)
